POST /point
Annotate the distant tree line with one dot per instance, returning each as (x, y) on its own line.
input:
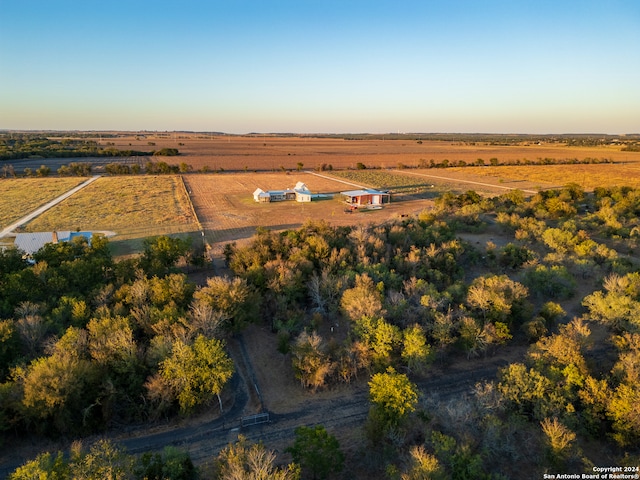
(588, 140)
(83, 169)
(494, 162)
(17, 146)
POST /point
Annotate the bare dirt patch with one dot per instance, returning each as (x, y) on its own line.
(227, 211)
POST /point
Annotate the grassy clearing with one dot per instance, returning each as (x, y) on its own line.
(133, 207)
(20, 196)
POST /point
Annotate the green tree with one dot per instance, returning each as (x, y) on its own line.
(622, 410)
(552, 313)
(561, 355)
(472, 338)
(103, 460)
(60, 390)
(45, 466)
(31, 327)
(171, 464)
(197, 372)
(617, 306)
(162, 253)
(114, 351)
(462, 463)
(174, 290)
(111, 342)
(380, 337)
(317, 452)
(393, 397)
(9, 347)
(498, 298)
(11, 260)
(514, 257)
(43, 171)
(550, 282)
(416, 352)
(529, 392)
(535, 328)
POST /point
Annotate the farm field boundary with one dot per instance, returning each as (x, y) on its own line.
(225, 206)
(46, 207)
(133, 207)
(21, 196)
(470, 182)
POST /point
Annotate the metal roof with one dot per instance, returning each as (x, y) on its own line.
(30, 243)
(359, 193)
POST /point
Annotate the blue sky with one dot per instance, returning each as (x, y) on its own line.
(321, 66)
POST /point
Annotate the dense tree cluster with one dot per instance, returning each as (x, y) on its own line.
(82, 333)
(17, 146)
(401, 294)
(84, 339)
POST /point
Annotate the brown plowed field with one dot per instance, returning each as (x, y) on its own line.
(226, 209)
(271, 153)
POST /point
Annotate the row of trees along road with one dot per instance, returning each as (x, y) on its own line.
(83, 333)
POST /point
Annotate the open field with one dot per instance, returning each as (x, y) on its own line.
(273, 153)
(19, 197)
(587, 176)
(133, 207)
(427, 183)
(226, 209)
(137, 207)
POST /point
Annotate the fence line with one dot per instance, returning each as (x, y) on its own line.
(256, 419)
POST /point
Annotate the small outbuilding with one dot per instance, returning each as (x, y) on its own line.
(366, 197)
(261, 196)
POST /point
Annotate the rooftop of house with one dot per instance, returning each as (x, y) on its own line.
(31, 242)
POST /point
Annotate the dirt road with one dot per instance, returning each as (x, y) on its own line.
(344, 413)
(46, 207)
(347, 412)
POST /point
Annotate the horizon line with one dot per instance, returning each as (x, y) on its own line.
(217, 132)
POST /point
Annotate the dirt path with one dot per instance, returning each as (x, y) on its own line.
(346, 412)
(342, 412)
(334, 179)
